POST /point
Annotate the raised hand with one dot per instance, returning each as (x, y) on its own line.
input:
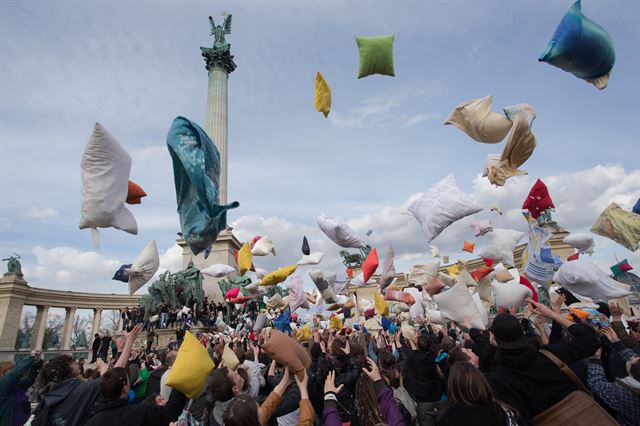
(329, 383)
(616, 311)
(611, 334)
(557, 305)
(374, 372)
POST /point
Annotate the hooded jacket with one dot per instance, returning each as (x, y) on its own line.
(69, 403)
(120, 412)
(422, 380)
(14, 384)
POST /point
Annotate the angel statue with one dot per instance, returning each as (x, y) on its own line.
(218, 32)
(13, 265)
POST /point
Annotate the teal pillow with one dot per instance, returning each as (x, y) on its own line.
(376, 55)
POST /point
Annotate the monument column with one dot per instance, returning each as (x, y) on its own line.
(67, 330)
(13, 292)
(95, 323)
(39, 327)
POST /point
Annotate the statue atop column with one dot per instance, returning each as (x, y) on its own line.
(13, 265)
(220, 54)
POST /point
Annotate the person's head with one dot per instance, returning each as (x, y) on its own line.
(508, 332)
(155, 399)
(170, 358)
(633, 368)
(57, 370)
(96, 335)
(242, 411)
(315, 350)
(423, 343)
(456, 354)
(446, 344)
(114, 384)
(225, 384)
(468, 386)
(337, 346)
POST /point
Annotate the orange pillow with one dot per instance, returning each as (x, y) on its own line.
(370, 265)
(135, 193)
(468, 246)
(481, 272)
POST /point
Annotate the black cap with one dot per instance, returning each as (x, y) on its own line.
(508, 332)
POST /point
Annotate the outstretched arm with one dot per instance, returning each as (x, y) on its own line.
(130, 339)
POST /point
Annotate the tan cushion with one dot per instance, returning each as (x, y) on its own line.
(288, 352)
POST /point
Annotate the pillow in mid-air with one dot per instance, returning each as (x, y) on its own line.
(376, 55)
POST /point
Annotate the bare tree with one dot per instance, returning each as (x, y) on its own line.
(53, 332)
(110, 322)
(81, 328)
(23, 340)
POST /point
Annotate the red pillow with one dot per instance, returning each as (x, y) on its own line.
(481, 272)
(468, 246)
(240, 299)
(135, 193)
(574, 256)
(369, 313)
(488, 261)
(370, 265)
(349, 272)
(232, 293)
(525, 282)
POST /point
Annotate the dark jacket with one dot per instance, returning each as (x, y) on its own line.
(462, 415)
(95, 346)
(153, 382)
(17, 380)
(120, 412)
(388, 408)
(69, 403)
(529, 381)
(483, 349)
(422, 381)
(347, 373)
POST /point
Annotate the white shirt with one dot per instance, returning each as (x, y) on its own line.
(165, 390)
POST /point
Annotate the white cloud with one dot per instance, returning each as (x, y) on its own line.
(42, 213)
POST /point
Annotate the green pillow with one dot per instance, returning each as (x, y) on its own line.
(376, 55)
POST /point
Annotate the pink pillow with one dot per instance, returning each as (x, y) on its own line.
(232, 293)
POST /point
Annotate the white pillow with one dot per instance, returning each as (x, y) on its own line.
(260, 273)
(585, 279)
(481, 227)
(339, 232)
(502, 242)
(358, 280)
(145, 266)
(436, 316)
(475, 118)
(417, 309)
(441, 205)
(311, 259)
(434, 251)
(510, 294)
(484, 315)
(457, 304)
(423, 274)
(582, 242)
(263, 247)
(105, 168)
(218, 270)
(323, 286)
(388, 270)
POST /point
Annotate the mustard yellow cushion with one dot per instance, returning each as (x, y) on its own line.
(244, 259)
(382, 307)
(335, 323)
(275, 277)
(229, 358)
(322, 97)
(453, 270)
(191, 368)
(304, 334)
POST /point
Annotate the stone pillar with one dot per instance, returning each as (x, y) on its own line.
(216, 121)
(13, 291)
(67, 330)
(120, 322)
(95, 323)
(39, 327)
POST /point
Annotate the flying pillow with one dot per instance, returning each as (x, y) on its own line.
(436, 316)
(435, 286)
(306, 250)
(619, 225)
(481, 272)
(263, 247)
(370, 264)
(322, 95)
(260, 273)
(388, 270)
(326, 291)
(121, 275)
(490, 161)
(538, 200)
(218, 270)
(507, 295)
(423, 274)
(312, 259)
(582, 242)
(481, 227)
(261, 320)
(297, 296)
(105, 168)
(441, 205)
(232, 293)
(134, 193)
(457, 304)
(453, 270)
(585, 279)
(516, 151)
(275, 302)
(574, 256)
(143, 269)
(484, 314)
(525, 282)
(399, 296)
(196, 173)
(434, 251)
(245, 261)
(468, 246)
(475, 118)
(335, 323)
(191, 368)
(288, 352)
(239, 300)
(503, 275)
(484, 289)
(229, 358)
(620, 268)
(636, 207)
(581, 47)
(376, 55)
(277, 276)
(382, 307)
(339, 232)
(502, 243)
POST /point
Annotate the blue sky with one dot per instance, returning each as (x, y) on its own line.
(134, 66)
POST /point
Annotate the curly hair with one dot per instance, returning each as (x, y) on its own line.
(56, 371)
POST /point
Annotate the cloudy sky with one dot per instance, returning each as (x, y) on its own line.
(134, 66)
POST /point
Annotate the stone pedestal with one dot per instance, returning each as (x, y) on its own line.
(221, 252)
(13, 292)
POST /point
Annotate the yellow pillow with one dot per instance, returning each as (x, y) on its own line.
(191, 368)
(304, 334)
(244, 259)
(453, 270)
(229, 358)
(275, 277)
(322, 98)
(335, 323)
(382, 307)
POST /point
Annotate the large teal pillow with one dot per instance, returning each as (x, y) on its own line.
(376, 55)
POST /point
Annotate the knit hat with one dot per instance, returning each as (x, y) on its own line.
(508, 332)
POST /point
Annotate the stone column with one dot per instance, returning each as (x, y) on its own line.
(120, 322)
(95, 323)
(13, 291)
(39, 327)
(67, 330)
(216, 121)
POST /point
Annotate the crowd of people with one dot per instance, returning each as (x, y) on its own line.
(528, 368)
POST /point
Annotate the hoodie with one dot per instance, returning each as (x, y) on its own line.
(70, 402)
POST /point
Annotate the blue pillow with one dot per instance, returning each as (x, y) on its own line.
(545, 255)
(196, 174)
(636, 208)
(385, 323)
(120, 274)
(581, 47)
